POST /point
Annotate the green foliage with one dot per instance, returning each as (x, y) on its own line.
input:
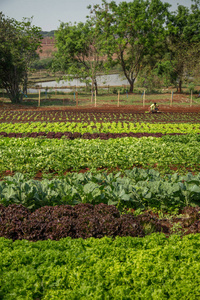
(48, 33)
(40, 64)
(182, 44)
(78, 52)
(154, 267)
(131, 31)
(122, 90)
(18, 44)
(137, 188)
(32, 155)
(112, 127)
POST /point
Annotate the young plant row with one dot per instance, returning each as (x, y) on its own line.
(52, 156)
(137, 189)
(154, 267)
(70, 116)
(77, 135)
(111, 127)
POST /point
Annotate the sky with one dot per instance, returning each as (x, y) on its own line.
(48, 14)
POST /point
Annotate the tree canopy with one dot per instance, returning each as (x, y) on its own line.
(79, 51)
(130, 31)
(18, 44)
(182, 50)
(139, 35)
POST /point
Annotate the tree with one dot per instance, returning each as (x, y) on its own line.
(130, 31)
(18, 44)
(182, 43)
(30, 36)
(78, 51)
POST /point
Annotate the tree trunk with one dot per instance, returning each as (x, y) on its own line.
(95, 86)
(13, 90)
(25, 83)
(179, 90)
(14, 96)
(131, 86)
(131, 82)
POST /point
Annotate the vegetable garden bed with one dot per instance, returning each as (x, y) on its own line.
(97, 179)
(154, 267)
(97, 116)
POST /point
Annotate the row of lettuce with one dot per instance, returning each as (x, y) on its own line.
(96, 127)
(154, 267)
(167, 154)
(86, 220)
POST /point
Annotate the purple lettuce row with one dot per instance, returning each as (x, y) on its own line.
(86, 220)
(87, 135)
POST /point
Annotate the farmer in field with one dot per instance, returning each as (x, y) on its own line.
(154, 108)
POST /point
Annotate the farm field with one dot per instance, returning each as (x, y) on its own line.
(154, 267)
(99, 204)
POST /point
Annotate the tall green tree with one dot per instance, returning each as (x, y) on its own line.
(18, 44)
(182, 44)
(130, 31)
(79, 52)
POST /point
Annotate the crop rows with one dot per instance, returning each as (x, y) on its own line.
(86, 220)
(53, 156)
(67, 192)
(111, 127)
(154, 267)
(137, 189)
(97, 117)
(75, 135)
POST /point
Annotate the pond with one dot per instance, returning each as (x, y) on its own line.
(102, 80)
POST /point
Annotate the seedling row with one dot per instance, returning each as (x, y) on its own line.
(71, 116)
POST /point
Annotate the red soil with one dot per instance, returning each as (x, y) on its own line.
(104, 108)
(164, 106)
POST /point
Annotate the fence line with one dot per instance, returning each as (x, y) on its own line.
(117, 97)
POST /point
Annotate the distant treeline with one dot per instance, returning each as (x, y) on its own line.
(48, 33)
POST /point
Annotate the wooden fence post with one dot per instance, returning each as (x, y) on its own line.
(39, 99)
(76, 98)
(191, 99)
(144, 98)
(171, 99)
(95, 98)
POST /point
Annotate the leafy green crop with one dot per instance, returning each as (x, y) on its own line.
(31, 155)
(92, 127)
(154, 267)
(136, 189)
